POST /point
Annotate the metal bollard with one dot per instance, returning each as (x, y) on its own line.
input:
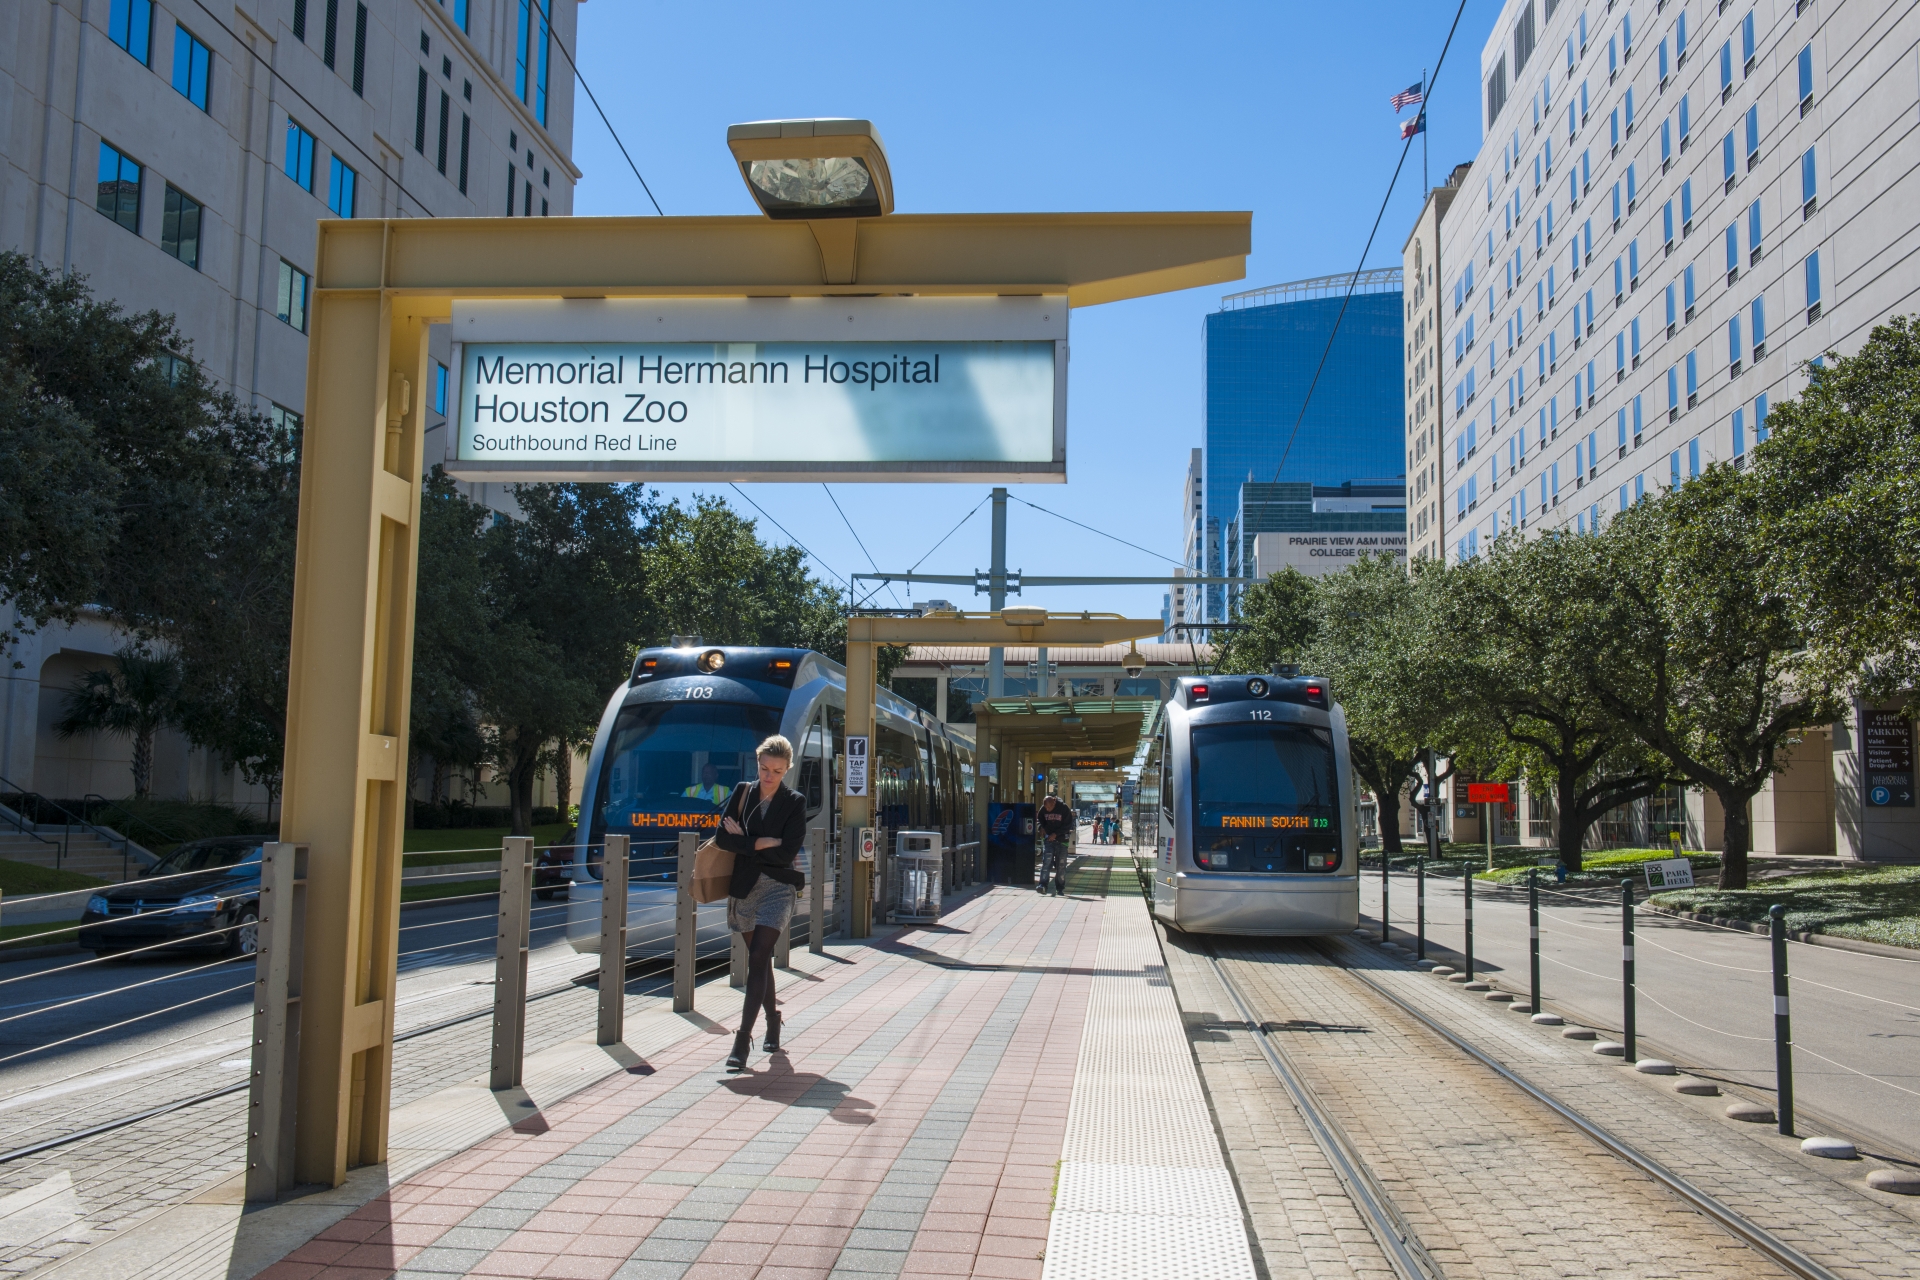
(1626, 969)
(276, 1021)
(685, 919)
(613, 940)
(1420, 905)
(1533, 936)
(736, 959)
(1384, 913)
(1469, 877)
(1782, 1024)
(817, 899)
(510, 962)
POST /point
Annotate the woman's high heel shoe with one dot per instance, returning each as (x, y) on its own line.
(773, 1033)
(742, 1046)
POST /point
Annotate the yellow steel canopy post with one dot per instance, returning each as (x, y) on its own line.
(378, 285)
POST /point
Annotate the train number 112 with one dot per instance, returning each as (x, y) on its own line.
(1259, 713)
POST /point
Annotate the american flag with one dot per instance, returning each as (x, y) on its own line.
(1408, 96)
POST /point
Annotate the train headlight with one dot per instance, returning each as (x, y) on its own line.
(711, 661)
(1257, 687)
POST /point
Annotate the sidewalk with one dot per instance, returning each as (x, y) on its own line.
(916, 1125)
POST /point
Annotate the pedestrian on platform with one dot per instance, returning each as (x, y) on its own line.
(764, 826)
(1056, 831)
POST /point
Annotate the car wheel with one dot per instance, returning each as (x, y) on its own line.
(245, 939)
(543, 894)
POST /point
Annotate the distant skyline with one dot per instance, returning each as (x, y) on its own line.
(1026, 108)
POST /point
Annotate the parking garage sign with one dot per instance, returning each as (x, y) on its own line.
(1886, 750)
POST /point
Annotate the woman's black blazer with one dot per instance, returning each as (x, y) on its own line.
(785, 817)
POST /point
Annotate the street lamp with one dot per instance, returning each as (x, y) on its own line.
(814, 168)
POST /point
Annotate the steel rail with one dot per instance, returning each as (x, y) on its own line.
(1404, 1252)
(1741, 1228)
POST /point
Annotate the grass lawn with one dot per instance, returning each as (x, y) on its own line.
(8, 933)
(468, 844)
(18, 879)
(1874, 904)
(1607, 867)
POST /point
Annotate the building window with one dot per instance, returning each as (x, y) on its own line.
(1809, 184)
(1753, 136)
(1729, 160)
(1760, 420)
(291, 305)
(1805, 62)
(130, 25)
(459, 13)
(1686, 121)
(1693, 458)
(1666, 224)
(1673, 394)
(1739, 433)
(1813, 286)
(330, 38)
(1759, 313)
(360, 49)
(1746, 45)
(439, 388)
(1693, 379)
(420, 118)
(1733, 344)
(118, 195)
(1726, 70)
(1686, 289)
(1753, 233)
(446, 113)
(299, 158)
(180, 227)
(287, 422)
(513, 184)
(466, 124)
(1673, 469)
(1686, 207)
(300, 20)
(1733, 251)
(341, 181)
(192, 66)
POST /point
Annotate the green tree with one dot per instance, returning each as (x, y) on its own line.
(136, 697)
(567, 591)
(1696, 651)
(1839, 504)
(452, 626)
(1279, 618)
(1514, 615)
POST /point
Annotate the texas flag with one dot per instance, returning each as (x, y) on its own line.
(1416, 125)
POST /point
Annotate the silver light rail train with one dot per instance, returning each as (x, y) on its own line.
(677, 736)
(1258, 824)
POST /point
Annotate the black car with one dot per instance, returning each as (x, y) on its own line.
(204, 896)
(552, 870)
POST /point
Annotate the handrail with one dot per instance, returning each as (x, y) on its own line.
(20, 823)
(126, 842)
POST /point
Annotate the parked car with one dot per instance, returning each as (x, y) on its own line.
(204, 896)
(551, 868)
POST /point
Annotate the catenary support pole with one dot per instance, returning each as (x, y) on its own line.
(510, 962)
(685, 920)
(1626, 971)
(1385, 913)
(1533, 937)
(1782, 1023)
(613, 940)
(997, 594)
(1467, 867)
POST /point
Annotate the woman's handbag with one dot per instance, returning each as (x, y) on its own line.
(712, 869)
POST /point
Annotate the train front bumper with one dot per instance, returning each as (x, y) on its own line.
(1266, 905)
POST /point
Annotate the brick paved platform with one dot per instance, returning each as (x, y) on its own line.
(914, 1126)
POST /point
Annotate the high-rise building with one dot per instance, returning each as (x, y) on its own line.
(1420, 258)
(178, 154)
(1182, 604)
(1676, 208)
(1285, 405)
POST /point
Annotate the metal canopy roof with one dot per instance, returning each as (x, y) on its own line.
(1078, 726)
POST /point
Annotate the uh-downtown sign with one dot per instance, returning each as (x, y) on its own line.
(948, 389)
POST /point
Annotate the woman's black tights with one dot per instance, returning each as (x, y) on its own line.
(760, 946)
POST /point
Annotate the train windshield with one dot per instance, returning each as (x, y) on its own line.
(669, 766)
(1265, 798)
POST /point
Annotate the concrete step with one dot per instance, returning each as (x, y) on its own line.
(85, 853)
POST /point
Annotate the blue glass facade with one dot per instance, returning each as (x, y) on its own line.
(1260, 362)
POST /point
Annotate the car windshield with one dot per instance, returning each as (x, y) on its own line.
(669, 766)
(209, 857)
(1265, 798)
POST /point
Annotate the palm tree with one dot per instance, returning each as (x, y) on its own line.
(138, 696)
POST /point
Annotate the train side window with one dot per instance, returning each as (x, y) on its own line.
(810, 782)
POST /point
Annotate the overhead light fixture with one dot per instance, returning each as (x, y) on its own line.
(814, 168)
(1024, 615)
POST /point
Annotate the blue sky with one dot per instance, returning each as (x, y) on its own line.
(993, 107)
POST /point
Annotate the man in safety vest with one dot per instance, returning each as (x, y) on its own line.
(709, 789)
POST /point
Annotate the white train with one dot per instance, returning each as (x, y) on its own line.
(1257, 822)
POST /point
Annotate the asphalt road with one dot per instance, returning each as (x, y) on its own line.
(1705, 997)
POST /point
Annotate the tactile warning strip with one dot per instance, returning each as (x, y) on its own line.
(1144, 1189)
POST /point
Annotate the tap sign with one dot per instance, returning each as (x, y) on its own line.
(924, 388)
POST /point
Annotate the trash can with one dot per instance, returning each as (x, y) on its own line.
(914, 880)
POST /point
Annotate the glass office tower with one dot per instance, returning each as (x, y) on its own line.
(1263, 350)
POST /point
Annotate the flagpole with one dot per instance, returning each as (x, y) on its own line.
(1424, 188)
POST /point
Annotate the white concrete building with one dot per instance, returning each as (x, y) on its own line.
(1676, 206)
(178, 153)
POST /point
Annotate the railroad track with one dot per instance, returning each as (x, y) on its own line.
(1388, 1223)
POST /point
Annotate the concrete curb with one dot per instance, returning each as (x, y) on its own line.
(1796, 935)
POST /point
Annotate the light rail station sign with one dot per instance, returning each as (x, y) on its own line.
(940, 389)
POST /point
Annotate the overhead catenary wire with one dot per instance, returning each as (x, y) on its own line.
(859, 542)
(831, 571)
(1102, 532)
(1354, 280)
(936, 546)
(579, 75)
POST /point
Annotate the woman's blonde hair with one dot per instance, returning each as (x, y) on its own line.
(776, 746)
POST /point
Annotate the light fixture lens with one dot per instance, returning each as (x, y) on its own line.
(712, 660)
(826, 183)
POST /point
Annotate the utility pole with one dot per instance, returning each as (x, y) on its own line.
(997, 594)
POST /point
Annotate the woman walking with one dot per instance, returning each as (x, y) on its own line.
(764, 826)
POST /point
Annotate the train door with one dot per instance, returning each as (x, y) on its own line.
(816, 785)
